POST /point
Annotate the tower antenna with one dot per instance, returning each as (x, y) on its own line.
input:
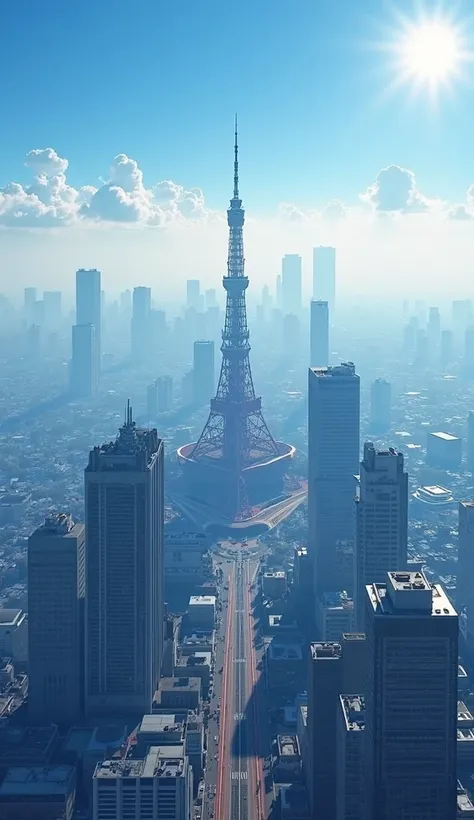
(236, 162)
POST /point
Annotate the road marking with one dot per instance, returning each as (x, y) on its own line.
(239, 660)
(239, 775)
(239, 716)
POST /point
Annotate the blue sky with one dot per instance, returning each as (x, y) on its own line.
(160, 81)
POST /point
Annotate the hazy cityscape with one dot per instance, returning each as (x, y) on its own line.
(237, 444)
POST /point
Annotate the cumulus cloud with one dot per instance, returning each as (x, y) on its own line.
(123, 198)
(335, 209)
(464, 210)
(395, 189)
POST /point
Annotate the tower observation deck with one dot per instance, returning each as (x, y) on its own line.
(236, 464)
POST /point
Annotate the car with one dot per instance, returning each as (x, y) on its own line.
(215, 738)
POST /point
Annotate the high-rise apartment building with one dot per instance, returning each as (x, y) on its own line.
(140, 324)
(381, 505)
(84, 366)
(158, 785)
(465, 573)
(380, 406)
(411, 700)
(291, 284)
(319, 333)
(193, 294)
(324, 276)
(56, 588)
(89, 305)
(203, 372)
(124, 571)
(324, 688)
(350, 759)
(333, 461)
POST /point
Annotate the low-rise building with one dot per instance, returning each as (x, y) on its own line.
(293, 802)
(288, 764)
(40, 792)
(199, 641)
(274, 584)
(178, 693)
(444, 450)
(195, 666)
(14, 635)
(161, 730)
(202, 611)
(27, 745)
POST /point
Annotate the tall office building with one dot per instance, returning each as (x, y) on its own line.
(140, 324)
(333, 461)
(465, 573)
(89, 305)
(29, 297)
(411, 700)
(319, 333)
(324, 276)
(126, 306)
(193, 294)
(52, 309)
(446, 346)
(156, 785)
(434, 328)
(203, 372)
(350, 759)
(124, 571)
(380, 406)
(324, 688)
(470, 442)
(291, 284)
(165, 393)
(381, 505)
(278, 300)
(84, 366)
(56, 587)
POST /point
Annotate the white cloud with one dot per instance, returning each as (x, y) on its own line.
(395, 189)
(464, 210)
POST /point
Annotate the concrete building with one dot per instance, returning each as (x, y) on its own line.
(204, 369)
(84, 366)
(56, 588)
(89, 306)
(380, 406)
(354, 666)
(124, 571)
(324, 276)
(444, 451)
(178, 693)
(411, 699)
(381, 506)
(274, 583)
(465, 573)
(184, 558)
(44, 793)
(470, 442)
(288, 764)
(319, 334)
(291, 284)
(193, 294)
(164, 386)
(324, 688)
(14, 636)
(202, 611)
(333, 460)
(140, 327)
(336, 615)
(195, 666)
(157, 785)
(350, 778)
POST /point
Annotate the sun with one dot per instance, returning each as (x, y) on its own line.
(431, 53)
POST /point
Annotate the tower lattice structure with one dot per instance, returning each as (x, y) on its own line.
(235, 435)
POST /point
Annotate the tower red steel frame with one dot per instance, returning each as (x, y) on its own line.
(235, 435)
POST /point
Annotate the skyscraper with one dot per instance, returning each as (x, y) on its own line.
(470, 442)
(89, 305)
(319, 333)
(324, 276)
(203, 372)
(165, 393)
(465, 568)
(84, 367)
(56, 586)
(193, 294)
(380, 406)
(333, 461)
(124, 571)
(350, 759)
(291, 283)
(411, 700)
(381, 521)
(434, 328)
(52, 309)
(324, 688)
(140, 325)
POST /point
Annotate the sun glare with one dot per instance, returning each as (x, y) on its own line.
(430, 53)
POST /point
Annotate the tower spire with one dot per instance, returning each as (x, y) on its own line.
(236, 162)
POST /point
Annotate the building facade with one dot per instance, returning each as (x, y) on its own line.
(84, 367)
(411, 700)
(56, 588)
(333, 461)
(380, 406)
(324, 276)
(350, 759)
(291, 283)
(381, 519)
(89, 305)
(203, 372)
(124, 571)
(319, 333)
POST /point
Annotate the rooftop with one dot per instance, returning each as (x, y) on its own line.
(160, 723)
(353, 636)
(325, 651)
(10, 617)
(353, 707)
(177, 684)
(288, 746)
(285, 652)
(434, 494)
(38, 780)
(343, 370)
(161, 761)
(409, 593)
(201, 600)
(445, 436)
